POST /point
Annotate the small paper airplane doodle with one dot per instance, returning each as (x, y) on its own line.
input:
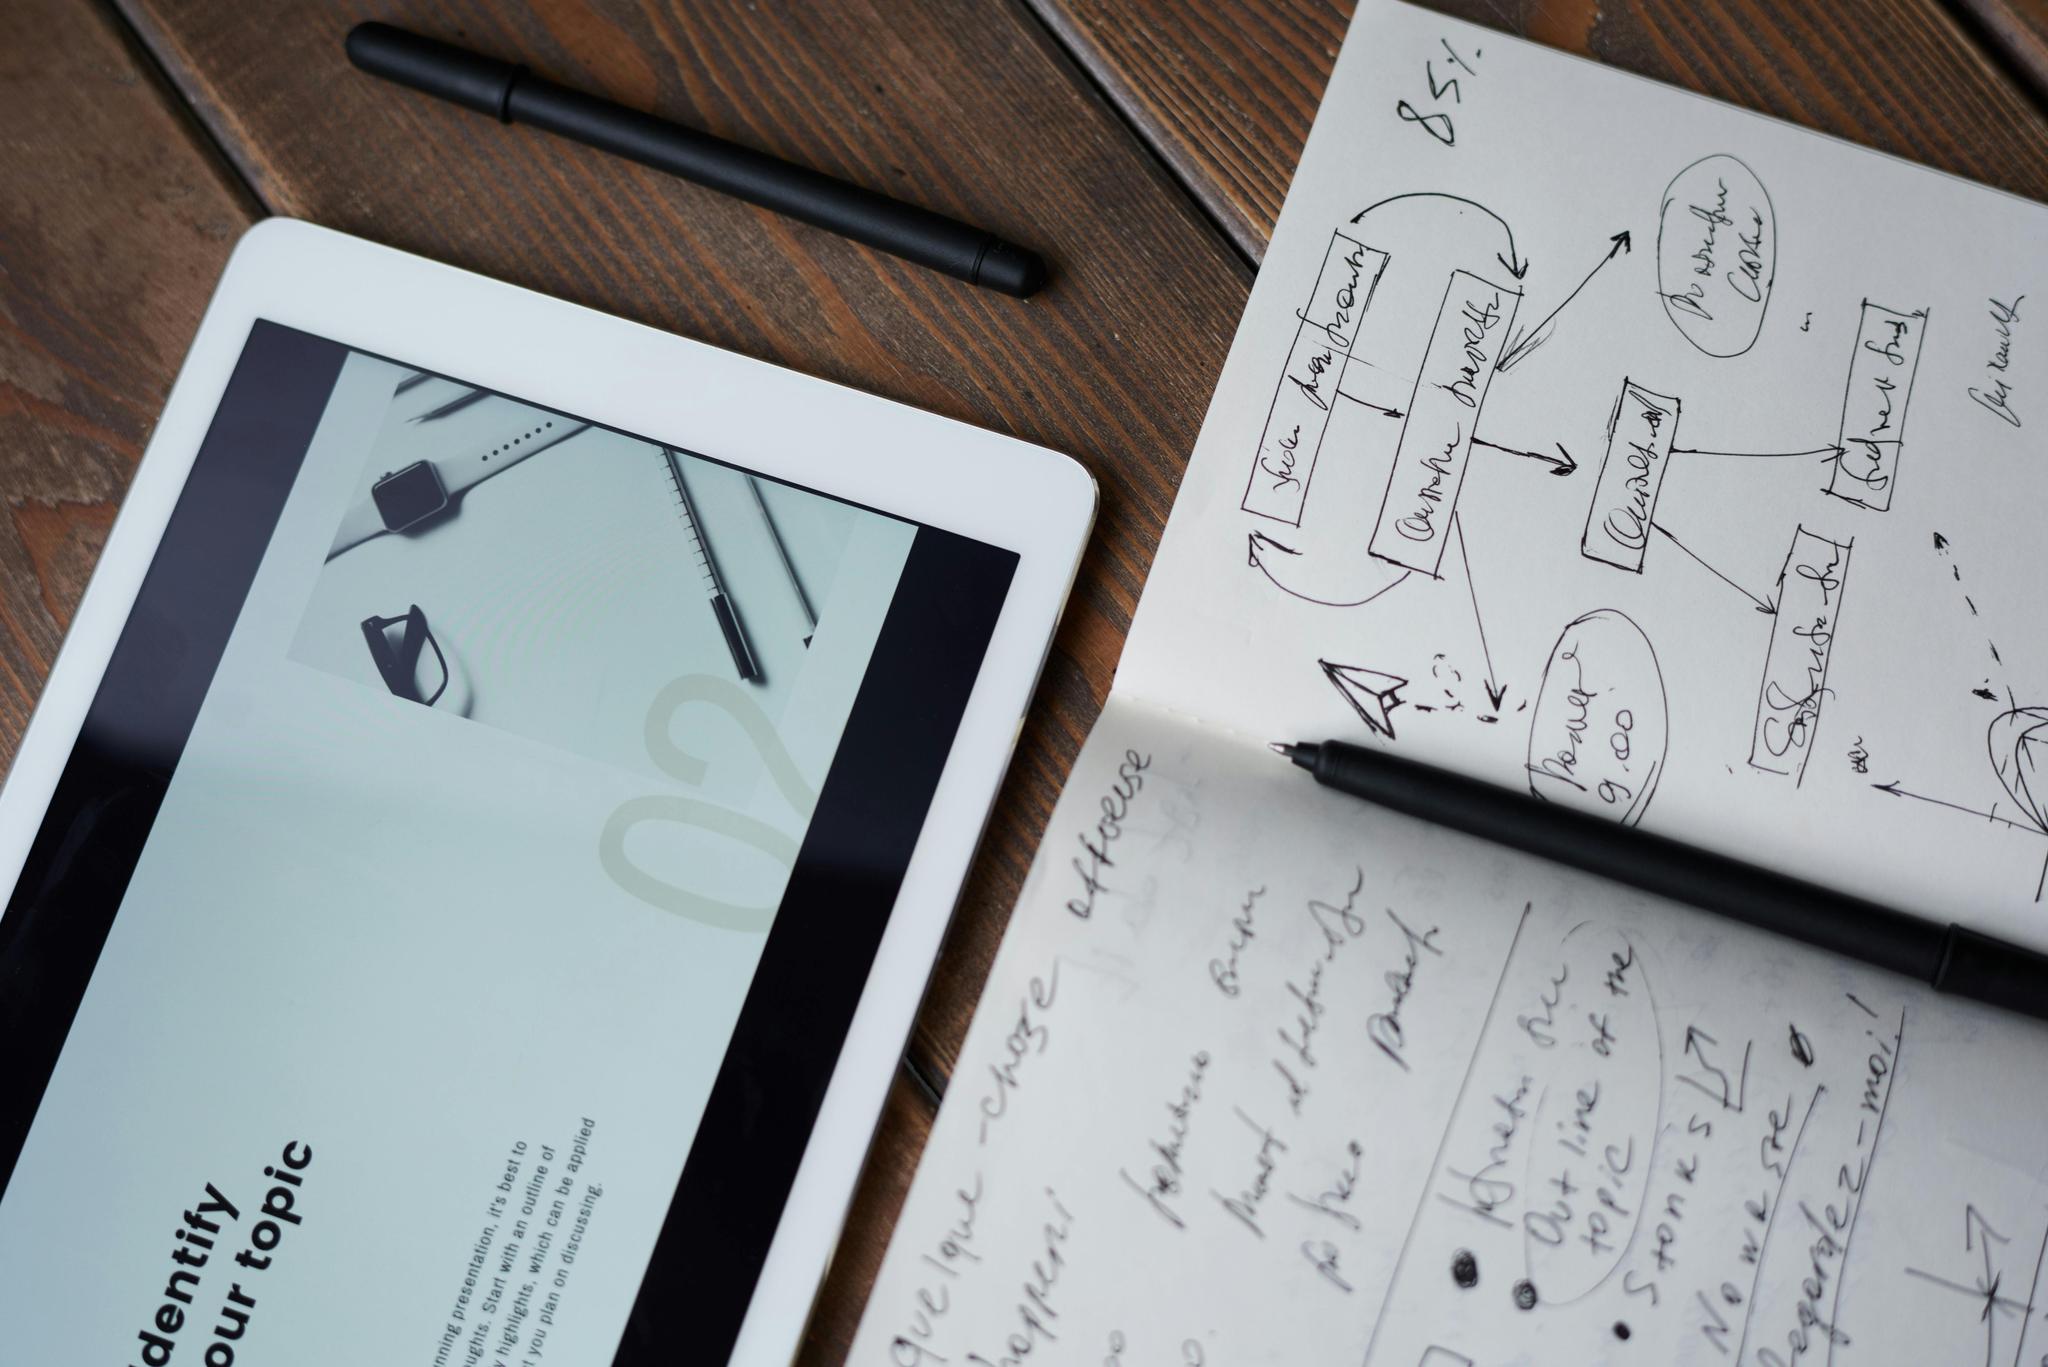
(1372, 695)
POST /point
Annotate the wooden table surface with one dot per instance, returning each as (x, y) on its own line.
(1144, 145)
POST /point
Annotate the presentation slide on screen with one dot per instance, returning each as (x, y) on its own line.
(411, 1009)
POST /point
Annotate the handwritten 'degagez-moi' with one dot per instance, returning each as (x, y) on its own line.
(1265, 1074)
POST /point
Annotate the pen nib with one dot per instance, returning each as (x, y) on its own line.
(1279, 747)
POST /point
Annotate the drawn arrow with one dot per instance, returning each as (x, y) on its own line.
(1363, 403)
(1560, 464)
(2012, 768)
(1956, 573)
(1522, 343)
(1372, 693)
(1494, 692)
(1896, 791)
(1833, 453)
(1515, 264)
(1768, 609)
(1259, 541)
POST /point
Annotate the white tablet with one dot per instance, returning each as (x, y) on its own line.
(480, 849)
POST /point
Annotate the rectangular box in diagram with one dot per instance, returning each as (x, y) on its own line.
(1874, 405)
(1472, 326)
(1639, 438)
(1795, 680)
(1307, 391)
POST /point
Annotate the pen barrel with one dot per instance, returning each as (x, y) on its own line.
(1801, 911)
(1976, 966)
(875, 220)
(735, 641)
(442, 70)
(510, 93)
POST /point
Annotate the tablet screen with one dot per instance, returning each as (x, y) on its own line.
(450, 914)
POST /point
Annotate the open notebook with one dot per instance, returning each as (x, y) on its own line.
(1679, 465)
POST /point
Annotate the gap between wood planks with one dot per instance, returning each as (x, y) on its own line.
(1070, 52)
(1076, 59)
(197, 129)
(142, 39)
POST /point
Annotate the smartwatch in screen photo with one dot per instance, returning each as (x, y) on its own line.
(417, 494)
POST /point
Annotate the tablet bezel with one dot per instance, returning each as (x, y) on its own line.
(810, 432)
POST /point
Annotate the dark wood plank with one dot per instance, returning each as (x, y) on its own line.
(113, 223)
(105, 234)
(906, 1123)
(973, 115)
(2017, 30)
(1227, 92)
(970, 109)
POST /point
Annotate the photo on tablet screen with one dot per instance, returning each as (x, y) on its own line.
(614, 597)
(491, 818)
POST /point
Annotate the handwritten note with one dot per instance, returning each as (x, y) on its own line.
(1313, 1082)
(1566, 441)
(1616, 351)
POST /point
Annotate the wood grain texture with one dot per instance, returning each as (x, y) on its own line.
(2017, 30)
(906, 1123)
(971, 110)
(984, 119)
(113, 223)
(1227, 92)
(115, 220)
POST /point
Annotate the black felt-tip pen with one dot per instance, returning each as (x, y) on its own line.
(707, 573)
(510, 93)
(1950, 958)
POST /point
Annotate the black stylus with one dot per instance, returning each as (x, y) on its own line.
(512, 94)
(1951, 958)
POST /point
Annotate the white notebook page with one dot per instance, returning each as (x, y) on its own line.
(1726, 530)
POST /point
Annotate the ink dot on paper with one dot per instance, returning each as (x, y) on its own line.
(1525, 1294)
(1465, 1269)
(1621, 1330)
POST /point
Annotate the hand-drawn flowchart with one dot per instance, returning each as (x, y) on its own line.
(1375, 427)
(1572, 461)
(1518, 359)
(2015, 745)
